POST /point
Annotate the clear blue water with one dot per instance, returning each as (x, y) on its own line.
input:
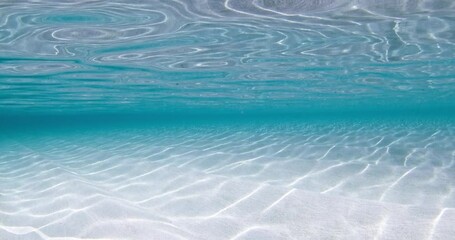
(123, 56)
(235, 119)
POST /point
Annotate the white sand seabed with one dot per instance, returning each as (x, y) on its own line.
(140, 186)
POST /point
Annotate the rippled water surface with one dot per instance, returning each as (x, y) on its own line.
(233, 119)
(149, 55)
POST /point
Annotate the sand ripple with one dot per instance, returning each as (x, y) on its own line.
(307, 182)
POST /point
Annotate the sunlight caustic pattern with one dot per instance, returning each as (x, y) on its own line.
(257, 182)
(229, 119)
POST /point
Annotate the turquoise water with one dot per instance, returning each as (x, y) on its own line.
(258, 119)
(136, 56)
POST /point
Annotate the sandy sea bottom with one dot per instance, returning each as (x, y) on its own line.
(229, 181)
(227, 119)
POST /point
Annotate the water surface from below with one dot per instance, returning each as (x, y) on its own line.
(234, 119)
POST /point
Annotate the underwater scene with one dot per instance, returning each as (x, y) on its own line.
(227, 119)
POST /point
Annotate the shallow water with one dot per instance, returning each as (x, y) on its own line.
(230, 55)
(227, 119)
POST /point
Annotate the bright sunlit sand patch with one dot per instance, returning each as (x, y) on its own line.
(243, 182)
(227, 119)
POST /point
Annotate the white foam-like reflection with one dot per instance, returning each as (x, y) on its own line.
(244, 52)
